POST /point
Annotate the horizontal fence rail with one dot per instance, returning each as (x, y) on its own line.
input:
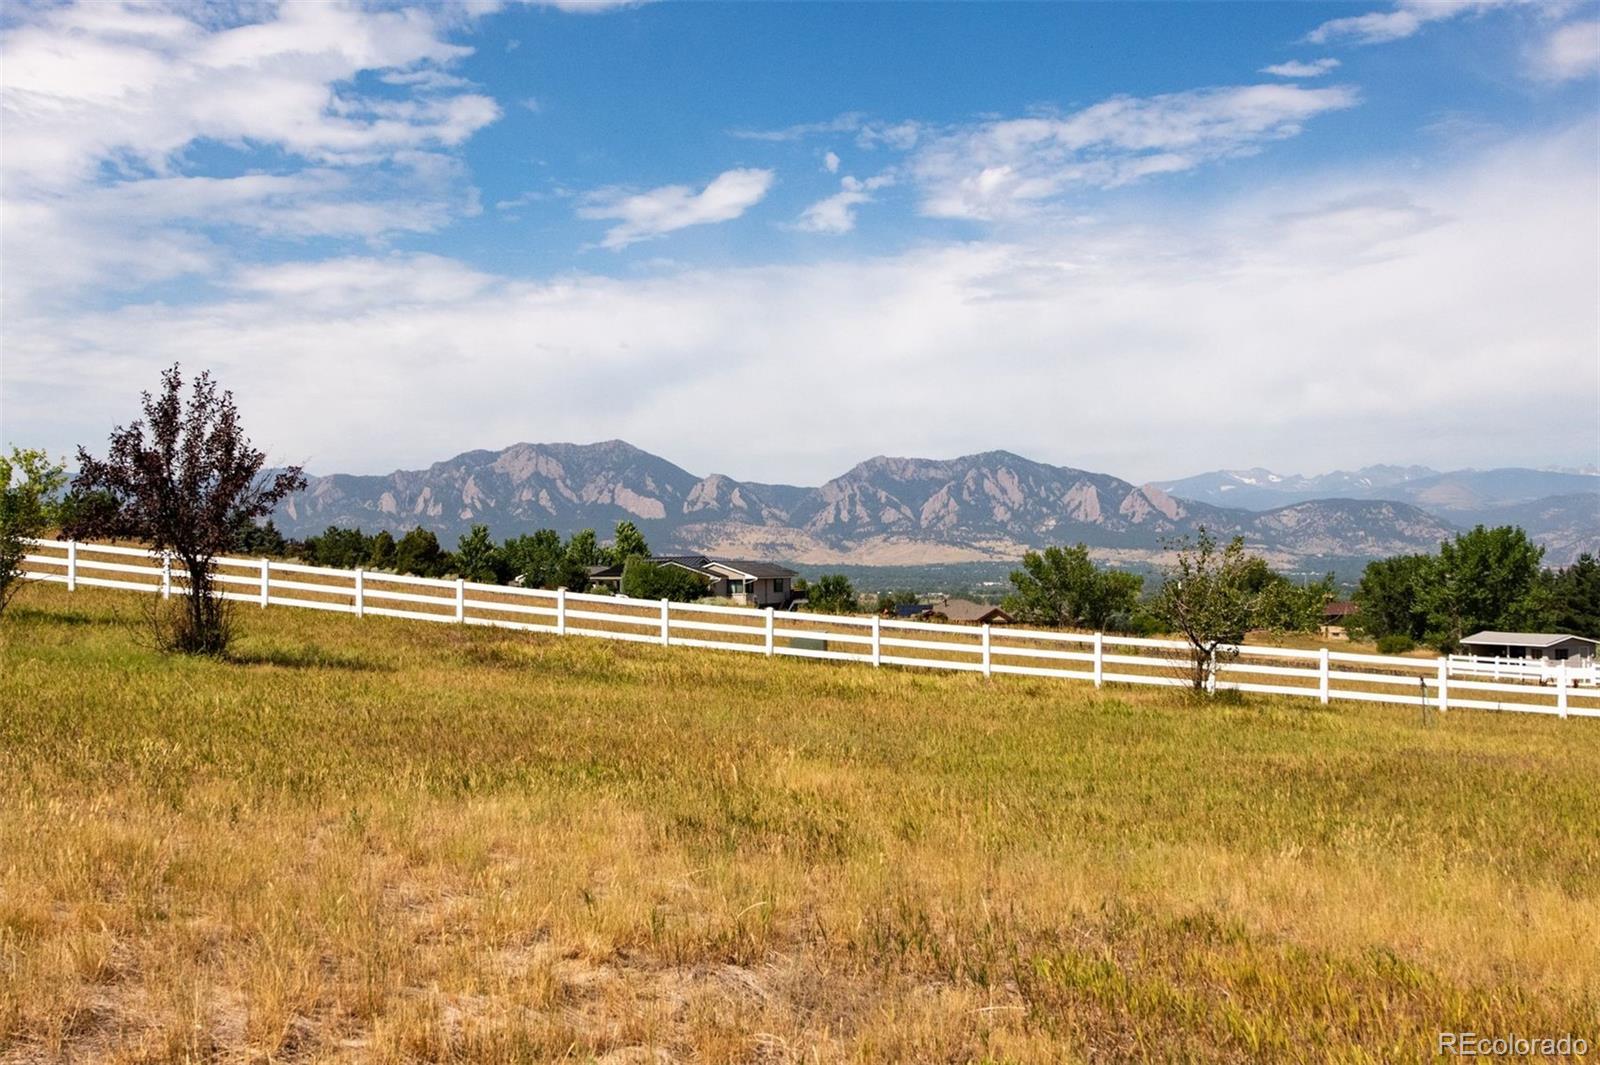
(1098, 658)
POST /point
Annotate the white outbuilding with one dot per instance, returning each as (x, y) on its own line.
(1545, 647)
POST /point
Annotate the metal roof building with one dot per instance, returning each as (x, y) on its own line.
(1546, 646)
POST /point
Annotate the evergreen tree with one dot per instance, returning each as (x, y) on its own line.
(629, 543)
(477, 558)
(380, 552)
(1575, 595)
(419, 554)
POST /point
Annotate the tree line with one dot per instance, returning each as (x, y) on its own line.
(1062, 587)
(540, 559)
(1482, 579)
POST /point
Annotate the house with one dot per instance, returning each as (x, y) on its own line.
(1547, 647)
(1338, 612)
(966, 612)
(745, 582)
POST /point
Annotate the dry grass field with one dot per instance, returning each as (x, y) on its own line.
(371, 840)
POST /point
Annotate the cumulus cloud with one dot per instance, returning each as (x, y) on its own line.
(101, 103)
(830, 163)
(94, 82)
(657, 212)
(1296, 68)
(1001, 168)
(1361, 315)
(1570, 51)
(837, 213)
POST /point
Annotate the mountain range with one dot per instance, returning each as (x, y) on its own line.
(891, 511)
(1470, 495)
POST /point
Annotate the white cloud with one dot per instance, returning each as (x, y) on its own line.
(848, 122)
(84, 85)
(1570, 51)
(1296, 68)
(1005, 167)
(836, 213)
(1332, 323)
(900, 136)
(102, 102)
(645, 215)
(590, 7)
(830, 163)
(1406, 18)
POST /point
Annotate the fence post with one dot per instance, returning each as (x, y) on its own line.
(361, 606)
(988, 655)
(1323, 679)
(666, 622)
(166, 575)
(877, 641)
(772, 623)
(461, 600)
(1561, 688)
(1099, 659)
(266, 581)
(72, 565)
(1444, 685)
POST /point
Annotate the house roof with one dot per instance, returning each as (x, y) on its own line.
(1491, 638)
(754, 569)
(967, 610)
(703, 563)
(1338, 609)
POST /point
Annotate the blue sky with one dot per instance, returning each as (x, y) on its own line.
(770, 240)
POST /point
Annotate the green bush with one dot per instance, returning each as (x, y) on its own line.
(1395, 644)
(643, 579)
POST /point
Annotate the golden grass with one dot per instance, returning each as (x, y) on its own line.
(392, 841)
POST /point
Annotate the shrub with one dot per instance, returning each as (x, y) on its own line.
(29, 486)
(643, 579)
(831, 594)
(1396, 643)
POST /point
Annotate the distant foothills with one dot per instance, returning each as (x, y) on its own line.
(986, 507)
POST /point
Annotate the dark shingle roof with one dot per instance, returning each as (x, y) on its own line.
(967, 610)
(755, 569)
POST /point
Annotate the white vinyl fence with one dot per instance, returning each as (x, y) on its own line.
(1538, 670)
(1099, 658)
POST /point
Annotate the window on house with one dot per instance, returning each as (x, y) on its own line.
(777, 584)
